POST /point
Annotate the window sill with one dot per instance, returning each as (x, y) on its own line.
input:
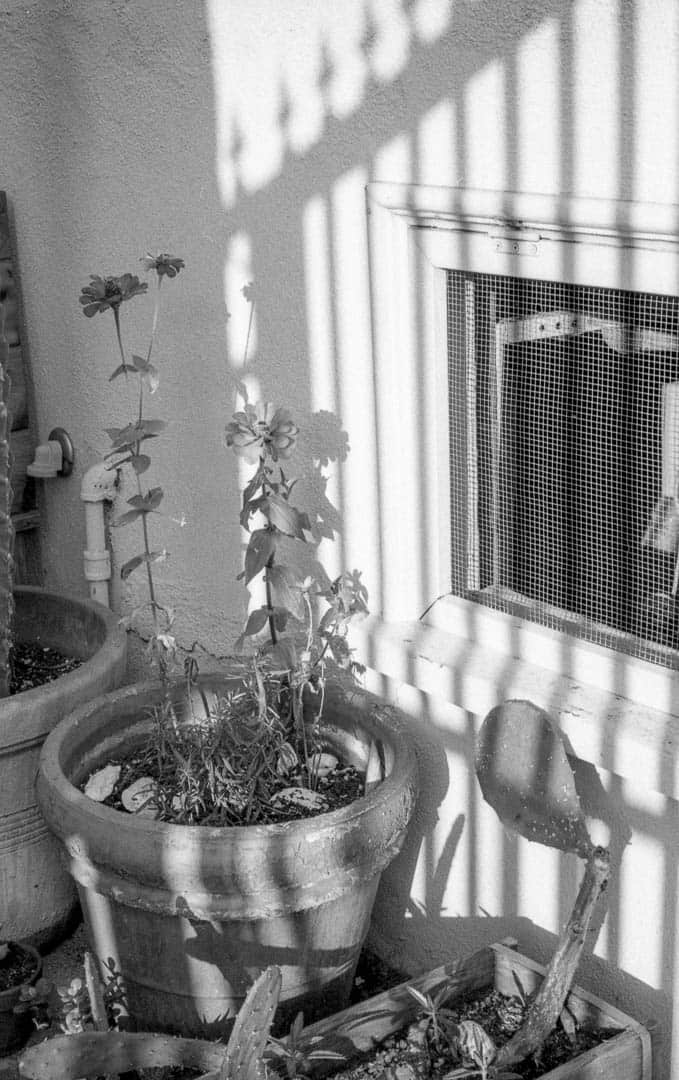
(615, 731)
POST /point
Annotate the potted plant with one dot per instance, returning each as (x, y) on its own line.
(39, 899)
(191, 912)
(525, 775)
(437, 1026)
(20, 967)
(89, 1053)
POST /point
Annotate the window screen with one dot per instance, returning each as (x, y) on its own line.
(564, 441)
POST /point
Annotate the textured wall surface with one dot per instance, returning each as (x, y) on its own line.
(240, 136)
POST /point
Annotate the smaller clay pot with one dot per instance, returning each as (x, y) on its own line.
(16, 1028)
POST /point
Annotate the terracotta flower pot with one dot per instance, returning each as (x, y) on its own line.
(191, 915)
(38, 896)
(15, 1029)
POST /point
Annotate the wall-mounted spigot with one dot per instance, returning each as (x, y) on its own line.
(53, 458)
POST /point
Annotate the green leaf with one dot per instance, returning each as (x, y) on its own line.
(127, 518)
(148, 372)
(256, 621)
(152, 427)
(252, 508)
(285, 589)
(128, 437)
(284, 517)
(297, 1027)
(139, 560)
(148, 502)
(284, 655)
(140, 463)
(127, 568)
(122, 369)
(261, 547)
(419, 997)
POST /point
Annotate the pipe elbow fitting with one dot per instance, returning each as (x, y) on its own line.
(98, 484)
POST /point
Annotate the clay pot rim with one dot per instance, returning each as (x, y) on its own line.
(403, 777)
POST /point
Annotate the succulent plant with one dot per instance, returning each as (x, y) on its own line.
(523, 768)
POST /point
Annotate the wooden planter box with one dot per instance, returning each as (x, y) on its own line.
(361, 1028)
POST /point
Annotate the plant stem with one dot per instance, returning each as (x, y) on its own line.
(154, 324)
(247, 336)
(545, 1009)
(269, 603)
(116, 319)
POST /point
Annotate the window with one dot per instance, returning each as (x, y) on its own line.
(564, 409)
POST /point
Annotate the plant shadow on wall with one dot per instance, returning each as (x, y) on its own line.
(229, 821)
(296, 219)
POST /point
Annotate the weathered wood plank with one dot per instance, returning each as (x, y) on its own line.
(18, 401)
(27, 556)
(28, 569)
(11, 302)
(5, 250)
(21, 445)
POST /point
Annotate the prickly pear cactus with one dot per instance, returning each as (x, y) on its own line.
(244, 1057)
(525, 774)
(6, 527)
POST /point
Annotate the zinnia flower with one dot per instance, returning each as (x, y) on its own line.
(252, 434)
(163, 264)
(103, 293)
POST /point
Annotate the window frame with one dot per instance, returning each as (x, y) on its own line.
(416, 234)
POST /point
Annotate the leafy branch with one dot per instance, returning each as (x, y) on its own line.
(128, 443)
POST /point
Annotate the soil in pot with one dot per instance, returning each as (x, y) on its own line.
(34, 665)
(227, 766)
(416, 1053)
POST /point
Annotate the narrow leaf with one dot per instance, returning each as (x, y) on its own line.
(261, 547)
(122, 369)
(127, 568)
(285, 589)
(256, 621)
(285, 517)
(152, 427)
(419, 997)
(127, 518)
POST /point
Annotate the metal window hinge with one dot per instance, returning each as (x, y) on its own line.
(519, 242)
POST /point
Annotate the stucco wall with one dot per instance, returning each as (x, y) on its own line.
(240, 136)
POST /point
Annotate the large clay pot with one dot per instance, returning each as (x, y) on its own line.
(38, 898)
(191, 915)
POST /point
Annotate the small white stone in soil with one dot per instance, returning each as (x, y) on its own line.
(140, 797)
(322, 764)
(102, 782)
(304, 798)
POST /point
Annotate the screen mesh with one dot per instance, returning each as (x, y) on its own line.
(564, 441)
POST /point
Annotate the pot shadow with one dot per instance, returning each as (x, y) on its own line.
(321, 975)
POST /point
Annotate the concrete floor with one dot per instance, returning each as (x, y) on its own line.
(59, 967)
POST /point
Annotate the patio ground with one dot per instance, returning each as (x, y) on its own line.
(65, 962)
